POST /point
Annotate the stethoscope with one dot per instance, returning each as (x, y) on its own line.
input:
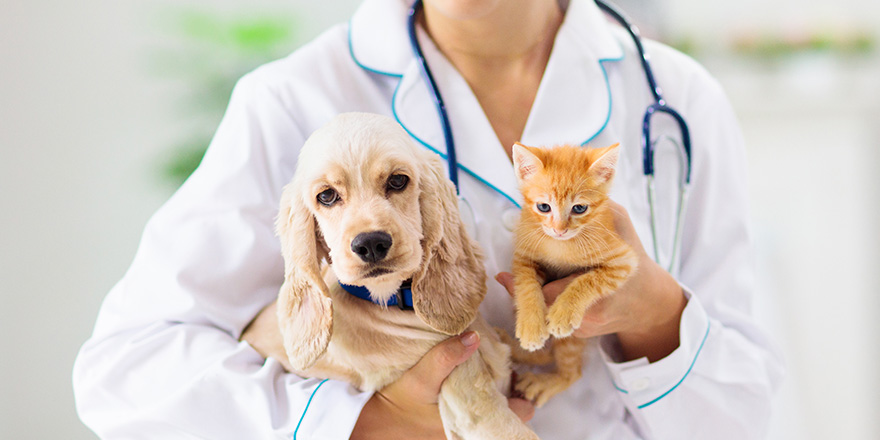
(648, 147)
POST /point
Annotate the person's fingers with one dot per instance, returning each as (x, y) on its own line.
(620, 215)
(623, 224)
(551, 290)
(422, 381)
(264, 336)
(523, 409)
(506, 280)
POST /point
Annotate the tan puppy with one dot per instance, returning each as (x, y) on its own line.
(379, 210)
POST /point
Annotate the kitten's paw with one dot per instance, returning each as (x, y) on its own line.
(563, 319)
(531, 330)
(540, 387)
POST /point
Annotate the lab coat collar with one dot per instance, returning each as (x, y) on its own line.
(377, 36)
(573, 103)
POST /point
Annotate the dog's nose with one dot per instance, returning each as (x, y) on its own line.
(371, 246)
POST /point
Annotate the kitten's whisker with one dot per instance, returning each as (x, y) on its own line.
(594, 245)
(531, 240)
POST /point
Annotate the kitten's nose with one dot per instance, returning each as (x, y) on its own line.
(560, 232)
(371, 246)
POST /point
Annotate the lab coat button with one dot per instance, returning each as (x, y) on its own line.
(640, 384)
(510, 217)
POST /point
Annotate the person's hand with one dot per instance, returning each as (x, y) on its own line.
(408, 407)
(265, 337)
(644, 313)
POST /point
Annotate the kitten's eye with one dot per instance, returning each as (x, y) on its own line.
(543, 207)
(397, 182)
(328, 197)
(579, 209)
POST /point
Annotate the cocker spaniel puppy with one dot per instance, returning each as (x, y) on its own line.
(367, 207)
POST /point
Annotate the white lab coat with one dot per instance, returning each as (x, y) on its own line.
(165, 362)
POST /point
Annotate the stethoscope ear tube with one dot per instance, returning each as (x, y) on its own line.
(671, 265)
(648, 147)
(684, 153)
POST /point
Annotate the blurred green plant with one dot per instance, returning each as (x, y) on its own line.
(206, 53)
(775, 46)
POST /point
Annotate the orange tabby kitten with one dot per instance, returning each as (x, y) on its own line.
(566, 227)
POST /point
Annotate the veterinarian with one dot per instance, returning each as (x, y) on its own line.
(676, 355)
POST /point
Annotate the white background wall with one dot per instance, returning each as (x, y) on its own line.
(83, 123)
(812, 124)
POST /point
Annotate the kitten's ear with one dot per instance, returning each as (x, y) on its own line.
(525, 163)
(603, 168)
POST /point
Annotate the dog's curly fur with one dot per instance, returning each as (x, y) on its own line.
(328, 333)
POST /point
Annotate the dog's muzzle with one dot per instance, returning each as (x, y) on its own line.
(371, 247)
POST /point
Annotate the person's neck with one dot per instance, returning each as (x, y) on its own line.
(502, 54)
(522, 31)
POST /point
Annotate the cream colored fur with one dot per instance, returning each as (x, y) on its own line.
(328, 333)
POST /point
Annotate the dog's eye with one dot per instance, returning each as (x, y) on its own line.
(328, 197)
(397, 182)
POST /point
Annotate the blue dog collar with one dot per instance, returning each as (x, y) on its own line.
(402, 299)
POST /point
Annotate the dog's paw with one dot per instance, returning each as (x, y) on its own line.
(531, 330)
(540, 387)
(563, 318)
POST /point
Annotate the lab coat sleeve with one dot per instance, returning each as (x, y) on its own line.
(164, 360)
(719, 383)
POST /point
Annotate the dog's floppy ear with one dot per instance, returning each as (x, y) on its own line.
(305, 316)
(451, 282)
